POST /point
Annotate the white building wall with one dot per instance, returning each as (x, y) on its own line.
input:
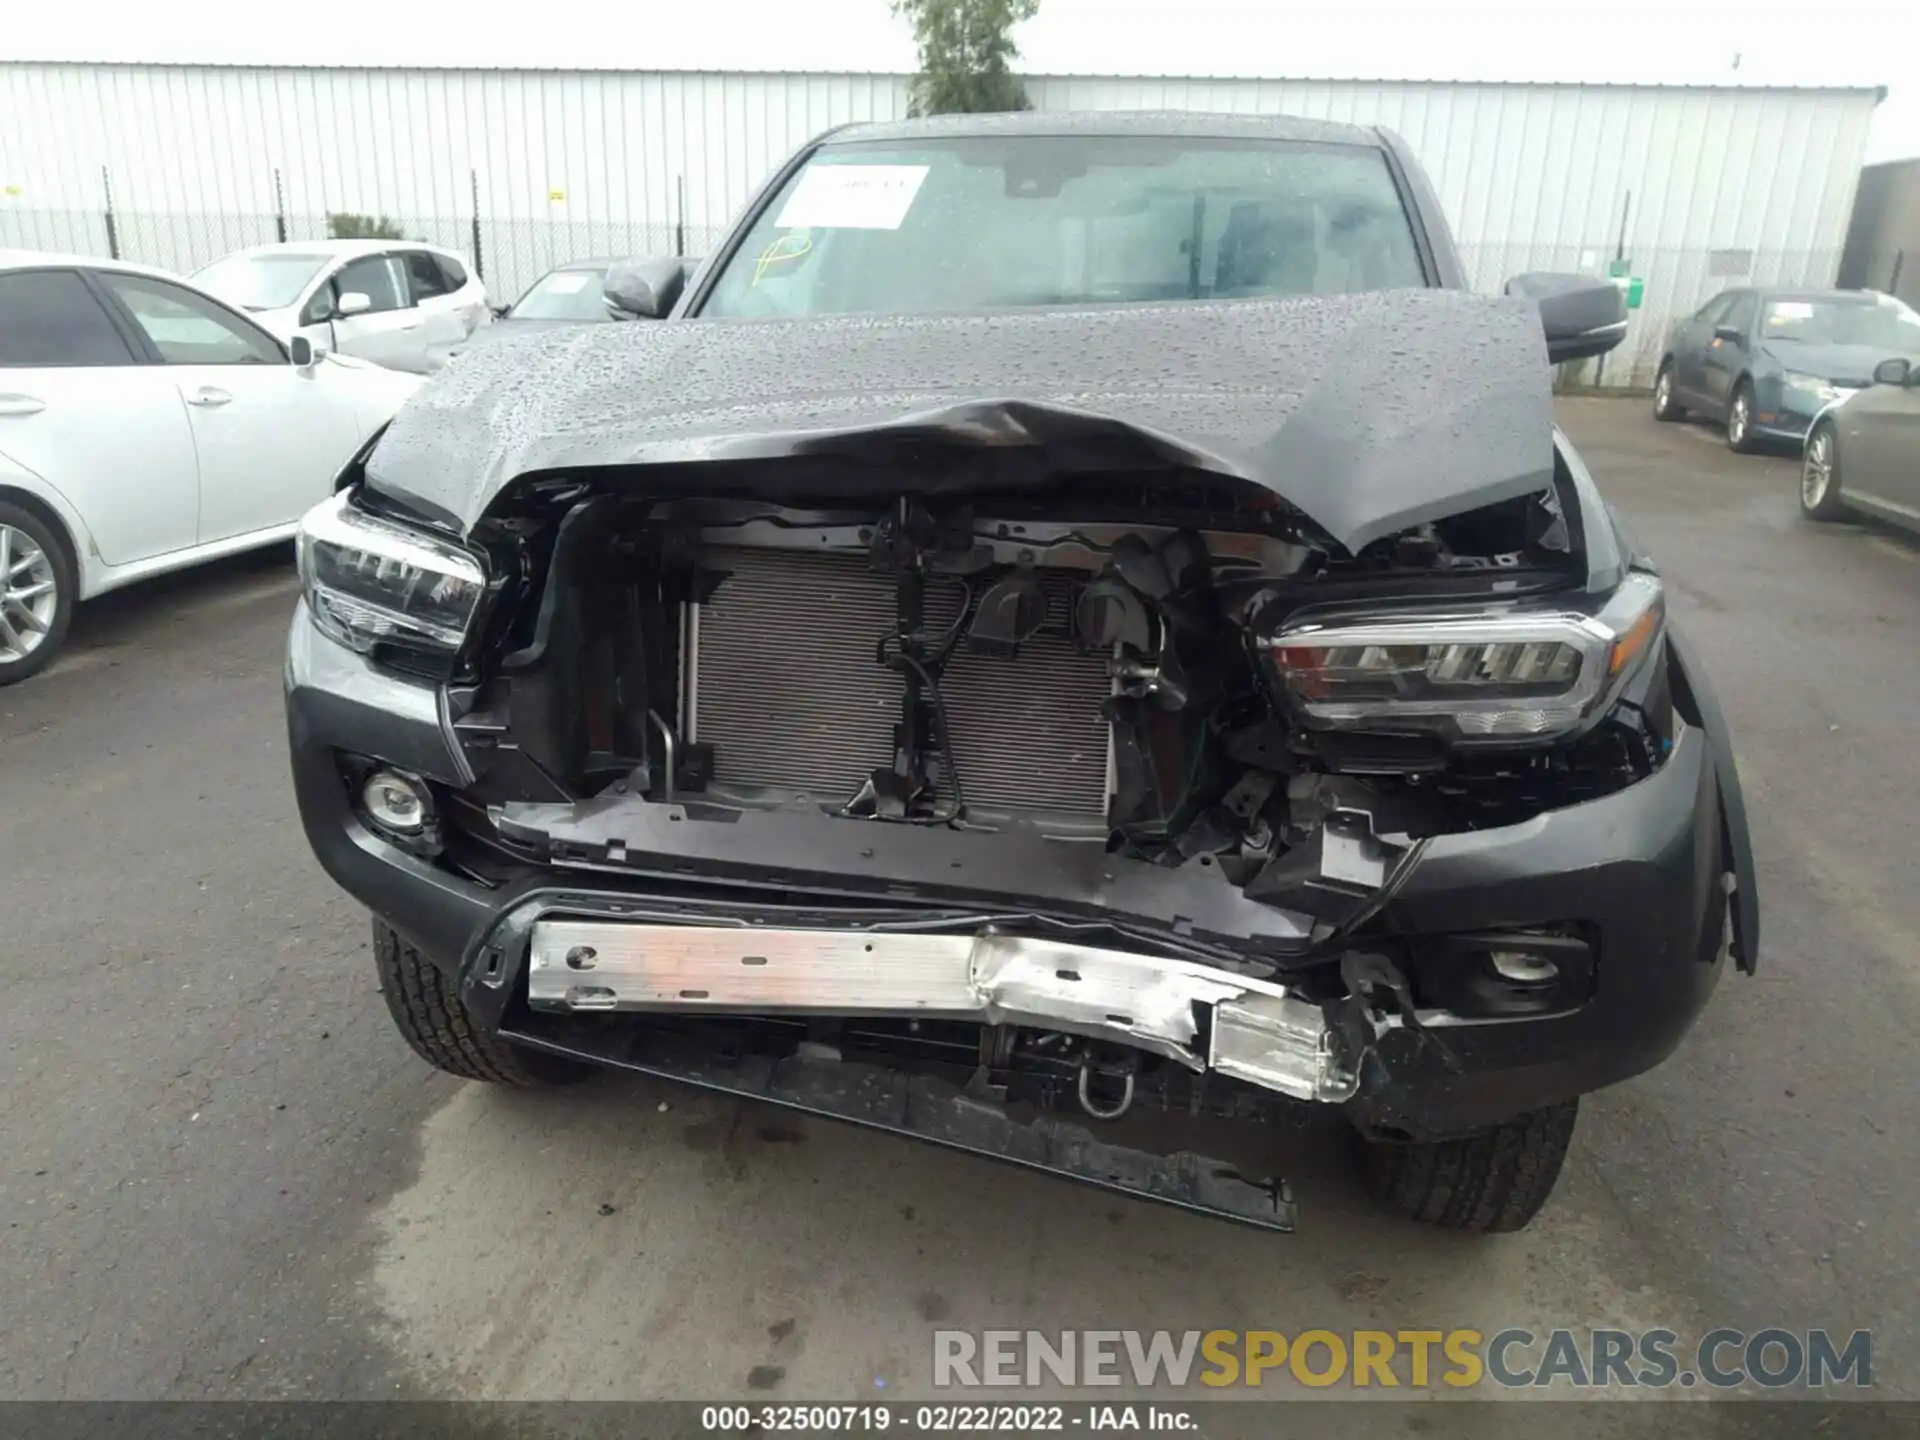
(1725, 184)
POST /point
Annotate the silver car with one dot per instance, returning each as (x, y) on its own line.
(398, 303)
(1863, 453)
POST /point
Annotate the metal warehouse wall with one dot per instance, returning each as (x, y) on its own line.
(1726, 185)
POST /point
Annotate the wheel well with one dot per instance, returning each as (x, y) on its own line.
(49, 517)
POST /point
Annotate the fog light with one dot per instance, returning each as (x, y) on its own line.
(394, 802)
(1523, 967)
(1502, 973)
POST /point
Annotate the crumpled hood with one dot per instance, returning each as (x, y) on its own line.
(1369, 412)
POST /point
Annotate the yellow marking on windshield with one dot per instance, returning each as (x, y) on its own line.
(780, 250)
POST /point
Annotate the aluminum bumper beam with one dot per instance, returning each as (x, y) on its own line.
(1259, 1031)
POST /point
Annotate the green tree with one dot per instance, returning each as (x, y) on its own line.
(362, 227)
(966, 54)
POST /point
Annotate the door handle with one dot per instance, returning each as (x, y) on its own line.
(411, 325)
(21, 405)
(208, 395)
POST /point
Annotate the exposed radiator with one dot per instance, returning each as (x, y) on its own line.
(789, 692)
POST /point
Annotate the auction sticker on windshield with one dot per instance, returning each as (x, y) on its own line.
(852, 197)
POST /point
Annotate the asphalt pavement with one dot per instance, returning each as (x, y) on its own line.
(224, 1176)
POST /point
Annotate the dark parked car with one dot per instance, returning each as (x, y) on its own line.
(1765, 362)
(1123, 633)
(1863, 453)
(569, 294)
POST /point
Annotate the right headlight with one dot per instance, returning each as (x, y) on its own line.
(369, 582)
(1509, 673)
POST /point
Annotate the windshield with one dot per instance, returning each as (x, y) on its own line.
(984, 222)
(260, 282)
(564, 295)
(1883, 323)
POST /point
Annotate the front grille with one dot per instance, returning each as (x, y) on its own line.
(790, 693)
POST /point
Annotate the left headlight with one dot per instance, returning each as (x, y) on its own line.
(369, 582)
(1496, 676)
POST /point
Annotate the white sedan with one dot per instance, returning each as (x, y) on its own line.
(146, 427)
(397, 303)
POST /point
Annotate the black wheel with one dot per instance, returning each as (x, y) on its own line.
(1664, 405)
(1491, 1182)
(1820, 475)
(1740, 420)
(37, 591)
(427, 1012)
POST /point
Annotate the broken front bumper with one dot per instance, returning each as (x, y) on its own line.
(1640, 870)
(1260, 1032)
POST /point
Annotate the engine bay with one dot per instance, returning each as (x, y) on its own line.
(1085, 667)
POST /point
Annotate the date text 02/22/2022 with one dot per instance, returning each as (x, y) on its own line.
(946, 1419)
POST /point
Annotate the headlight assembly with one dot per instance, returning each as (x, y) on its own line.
(1504, 674)
(1811, 387)
(369, 582)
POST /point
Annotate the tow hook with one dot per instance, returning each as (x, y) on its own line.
(1123, 1068)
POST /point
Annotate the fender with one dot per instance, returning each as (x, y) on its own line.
(1694, 696)
(86, 559)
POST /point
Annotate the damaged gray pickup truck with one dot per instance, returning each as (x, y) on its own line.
(1060, 618)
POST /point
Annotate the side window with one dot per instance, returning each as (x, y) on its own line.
(49, 317)
(452, 271)
(1715, 309)
(423, 275)
(378, 278)
(1740, 314)
(189, 329)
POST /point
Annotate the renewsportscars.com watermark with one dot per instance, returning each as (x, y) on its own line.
(1510, 1359)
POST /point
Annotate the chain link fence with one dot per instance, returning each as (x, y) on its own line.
(510, 254)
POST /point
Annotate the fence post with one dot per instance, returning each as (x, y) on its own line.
(479, 264)
(279, 209)
(113, 232)
(680, 218)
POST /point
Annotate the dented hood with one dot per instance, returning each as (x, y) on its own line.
(1369, 413)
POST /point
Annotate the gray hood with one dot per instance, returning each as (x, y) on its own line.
(1369, 413)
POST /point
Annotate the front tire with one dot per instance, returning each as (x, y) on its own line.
(1488, 1183)
(1820, 475)
(426, 1009)
(1740, 420)
(1664, 405)
(37, 591)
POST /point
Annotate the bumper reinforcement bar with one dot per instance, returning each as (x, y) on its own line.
(1258, 1031)
(924, 1108)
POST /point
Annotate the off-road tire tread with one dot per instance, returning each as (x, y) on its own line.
(1493, 1182)
(426, 1010)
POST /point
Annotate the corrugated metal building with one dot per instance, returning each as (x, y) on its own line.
(1708, 186)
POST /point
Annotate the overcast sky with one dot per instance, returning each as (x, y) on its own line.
(1622, 41)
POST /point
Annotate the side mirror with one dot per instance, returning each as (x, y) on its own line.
(1727, 332)
(499, 311)
(304, 352)
(354, 302)
(1892, 372)
(1582, 316)
(644, 289)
